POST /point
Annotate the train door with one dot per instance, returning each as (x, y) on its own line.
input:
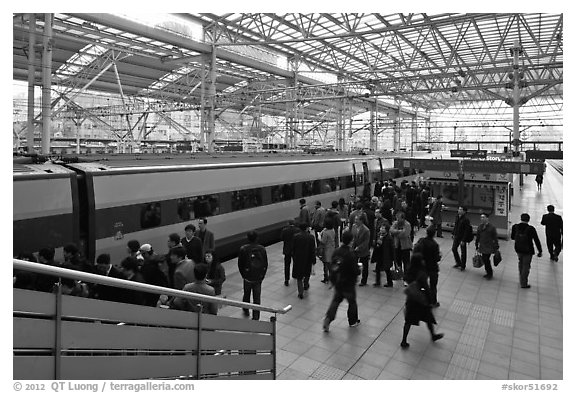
(366, 171)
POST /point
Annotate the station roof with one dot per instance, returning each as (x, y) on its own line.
(425, 61)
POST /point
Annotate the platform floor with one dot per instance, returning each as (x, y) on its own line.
(493, 329)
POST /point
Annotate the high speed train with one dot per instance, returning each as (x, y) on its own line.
(101, 205)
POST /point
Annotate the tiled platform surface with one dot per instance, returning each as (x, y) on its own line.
(493, 329)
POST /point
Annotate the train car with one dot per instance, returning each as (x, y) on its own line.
(112, 201)
(46, 210)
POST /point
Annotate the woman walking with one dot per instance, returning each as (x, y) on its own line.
(418, 300)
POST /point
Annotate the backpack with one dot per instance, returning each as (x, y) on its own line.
(522, 241)
(255, 262)
(336, 275)
(469, 234)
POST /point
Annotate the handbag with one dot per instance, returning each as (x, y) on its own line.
(396, 272)
(415, 295)
(320, 250)
(477, 260)
(497, 258)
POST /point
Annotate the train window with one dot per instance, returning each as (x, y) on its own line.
(334, 184)
(307, 189)
(316, 187)
(150, 215)
(347, 181)
(206, 206)
(185, 208)
(224, 203)
(246, 199)
(284, 192)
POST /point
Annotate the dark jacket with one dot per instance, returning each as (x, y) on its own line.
(462, 228)
(554, 225)
(532, 236)
(383, 253)
(135, 296)
(216, 276)
(110, 293)
(486, 238)
(436, 212)
(430, 251)
(350, 270)
(207, 238)
(286, 236)
(304, 254)
(194, 248)
(153, 275)
(305, 216)
(361, 240)
(247, 273)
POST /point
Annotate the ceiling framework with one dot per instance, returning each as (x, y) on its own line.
(335, 64)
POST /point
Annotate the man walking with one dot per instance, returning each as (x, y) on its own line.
(305, 215)
(436, 214)
(362, 245)
(525, 236)
(554, 232)
(461, 234)
(304, 254)
(287, 235)
(343, 276)
(252, 264)
(486, 243)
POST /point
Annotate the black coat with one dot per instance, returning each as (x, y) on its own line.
(303, 253)
(287, 235)
(350, 270)
(554, 225)
(416, 312)
(430, 251)
(383, 253)
(462, 228)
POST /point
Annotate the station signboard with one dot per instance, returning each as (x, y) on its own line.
(477, 166)
(469, 153)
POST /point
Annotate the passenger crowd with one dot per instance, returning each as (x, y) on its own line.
(376, 228)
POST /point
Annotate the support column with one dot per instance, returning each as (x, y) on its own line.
(340, 126)
(203, 103)
(31, 74)
(397, 126)
(212, 96)
(427, 125)
(516, 50)
(372, 145)
(414, 134)
(292, 121)
(46, 82)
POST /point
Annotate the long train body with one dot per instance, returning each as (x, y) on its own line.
(103, 205)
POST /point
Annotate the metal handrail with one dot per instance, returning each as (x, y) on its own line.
(120, 283)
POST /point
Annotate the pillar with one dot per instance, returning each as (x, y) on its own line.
(31, 76)
(46, 82)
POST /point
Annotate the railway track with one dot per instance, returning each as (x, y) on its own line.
(557, 164)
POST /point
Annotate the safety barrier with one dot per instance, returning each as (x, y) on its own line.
(65, 337)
